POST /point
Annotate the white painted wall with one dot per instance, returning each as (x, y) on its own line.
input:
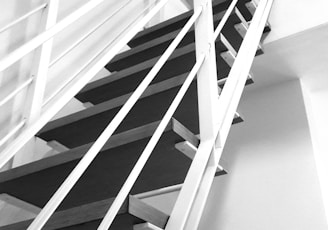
(317, 111)
(277, 178)
(272, 181)
(293, 16)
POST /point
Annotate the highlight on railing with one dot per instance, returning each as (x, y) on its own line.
(96, 63)
(71, 78)
(215, 118)
(22, 18)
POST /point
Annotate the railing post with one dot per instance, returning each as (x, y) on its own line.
(207, 103)
(35, 91)
(207, 75)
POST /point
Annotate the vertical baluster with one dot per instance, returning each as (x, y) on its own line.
(207, 100)
(35, 92)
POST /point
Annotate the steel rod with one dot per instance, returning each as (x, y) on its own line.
(127, 186)
(18, 20)
(77, 172)
(45, 36)
(15, 92)
(71, 78)
(53, 62)
(12, 132)
(224, 19)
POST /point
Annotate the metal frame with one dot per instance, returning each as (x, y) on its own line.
(215, 113)
(23, 17)
(85, 74)
(192, 198)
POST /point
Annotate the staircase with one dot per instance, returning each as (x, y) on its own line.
(87, 203)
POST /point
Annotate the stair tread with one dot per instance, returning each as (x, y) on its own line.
(125, 81)
(154, 47)
(36, 182)
(178, 21)
(89, 216)
(158, 45)
(181, 61)
(70, 130)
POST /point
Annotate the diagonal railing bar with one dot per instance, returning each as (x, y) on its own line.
(43, 37)
(25, 16)
(92, 59)
(243, 62)
(15, 91)
(12, 132)
(224, 19)
(76, 43)
(188, 209)
(64, 98)
(127, 186)
(80, 168)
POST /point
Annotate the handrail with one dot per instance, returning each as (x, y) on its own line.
(12, 132)
(53, 62)
(86, 76)
(43, 37)
(18, 20)
(79, 169)
(15, 92)
(190, 201)
(127, 186)
(244, 59)
(224, 19)
(71, 78)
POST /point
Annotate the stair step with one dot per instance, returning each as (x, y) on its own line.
(181, 61)
(89, 216)
(85, 126)
(36, 182)
(127, 80)
(157, 46)
(179, 21)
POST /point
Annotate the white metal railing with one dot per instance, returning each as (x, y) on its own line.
(76, 43)
(191, 201)
(22, 18)
(16, 91)
(85, 74)
(215, 118)
(72, 77)
(67, 185)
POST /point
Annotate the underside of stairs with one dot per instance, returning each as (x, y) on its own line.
(91, 197)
